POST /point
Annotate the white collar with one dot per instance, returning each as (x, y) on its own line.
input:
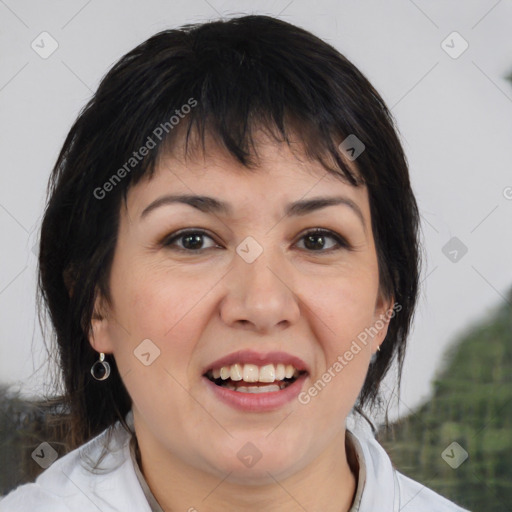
(374, 471)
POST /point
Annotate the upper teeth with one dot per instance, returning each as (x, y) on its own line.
(254, 373)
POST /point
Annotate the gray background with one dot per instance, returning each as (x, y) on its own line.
(454, 115)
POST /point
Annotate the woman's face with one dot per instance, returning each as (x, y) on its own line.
(245, 293)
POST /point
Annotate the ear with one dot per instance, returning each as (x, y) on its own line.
(382, 316)
(99, 334)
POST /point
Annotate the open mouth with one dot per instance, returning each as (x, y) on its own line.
(251, 378)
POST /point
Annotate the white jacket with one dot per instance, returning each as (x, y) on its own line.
(68, 486)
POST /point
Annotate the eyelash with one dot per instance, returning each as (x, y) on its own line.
(169, 241)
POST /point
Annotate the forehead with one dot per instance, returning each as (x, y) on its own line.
(282, 174)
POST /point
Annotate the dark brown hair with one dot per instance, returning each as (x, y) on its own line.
(244, 74)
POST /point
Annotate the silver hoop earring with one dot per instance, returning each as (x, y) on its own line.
(374, 356)
(100, 370)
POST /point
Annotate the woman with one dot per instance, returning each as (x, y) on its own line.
(229, 256)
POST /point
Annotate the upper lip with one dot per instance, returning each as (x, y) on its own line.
(257, 358)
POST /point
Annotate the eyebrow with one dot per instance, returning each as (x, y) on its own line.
(211, 205)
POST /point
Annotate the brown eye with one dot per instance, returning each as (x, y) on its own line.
(189, 241)
(193, 240)
(318, 239)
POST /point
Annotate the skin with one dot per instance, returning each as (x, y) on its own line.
(196, 308)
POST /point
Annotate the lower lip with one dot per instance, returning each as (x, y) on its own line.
(258, 402)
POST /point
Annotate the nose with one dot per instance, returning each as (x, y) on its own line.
(259, 296)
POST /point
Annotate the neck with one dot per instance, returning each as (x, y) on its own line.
(328, 484)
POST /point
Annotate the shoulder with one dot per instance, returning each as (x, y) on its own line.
(415, 497)
(386, 489)
(77, 482)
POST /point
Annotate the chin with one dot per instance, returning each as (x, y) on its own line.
(257, 462)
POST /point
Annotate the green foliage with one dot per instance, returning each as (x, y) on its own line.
(471, 405)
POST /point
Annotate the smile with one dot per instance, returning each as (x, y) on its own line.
(255, 382)
(250, 378)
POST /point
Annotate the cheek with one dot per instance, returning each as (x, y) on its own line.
(164, 309)
(345, 310)
(346, 305)
(145, 299)
(168, 314)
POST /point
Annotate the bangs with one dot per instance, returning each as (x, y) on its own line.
(240, 137)
(224, 86)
